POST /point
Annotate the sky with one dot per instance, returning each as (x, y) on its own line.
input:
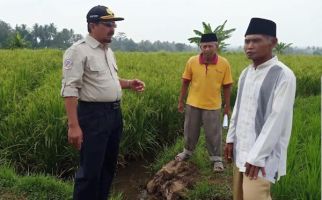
(298, 21)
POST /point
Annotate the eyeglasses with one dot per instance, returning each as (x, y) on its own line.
(109, 24)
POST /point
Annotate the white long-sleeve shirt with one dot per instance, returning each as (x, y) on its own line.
(261, 122)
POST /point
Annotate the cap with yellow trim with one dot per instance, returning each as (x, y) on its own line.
(101, 13)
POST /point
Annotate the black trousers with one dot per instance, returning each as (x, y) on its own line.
(102, 125)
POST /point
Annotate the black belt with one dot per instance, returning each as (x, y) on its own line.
(104, 105)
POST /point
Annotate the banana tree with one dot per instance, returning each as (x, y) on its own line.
(281, 47)
(220, 31)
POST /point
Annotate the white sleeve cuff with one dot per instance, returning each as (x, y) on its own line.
(230, 140)
(68, 91)
(258, 163)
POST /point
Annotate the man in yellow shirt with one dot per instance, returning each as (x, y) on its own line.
(206, 74)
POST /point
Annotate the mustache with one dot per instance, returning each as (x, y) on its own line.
(111, 33)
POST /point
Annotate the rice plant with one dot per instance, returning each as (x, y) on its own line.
(33, 124)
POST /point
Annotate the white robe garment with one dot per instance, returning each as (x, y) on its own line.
(261, 122)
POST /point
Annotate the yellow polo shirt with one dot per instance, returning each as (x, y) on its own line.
(206, 81)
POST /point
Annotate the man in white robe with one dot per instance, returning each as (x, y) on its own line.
(261, 122)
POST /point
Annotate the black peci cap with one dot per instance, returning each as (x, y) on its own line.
(208, 37)
(261, 26)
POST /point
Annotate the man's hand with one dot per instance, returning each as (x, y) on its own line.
(227, 110)
(228, 151)
(227, 93)
(252, 171)
(75, 136)
(137, 85)
(180, 107)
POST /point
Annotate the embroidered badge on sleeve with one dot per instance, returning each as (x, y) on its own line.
(68, 63)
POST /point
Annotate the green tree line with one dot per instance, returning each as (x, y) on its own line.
(122, 43)
(37, 36)
(47, 36)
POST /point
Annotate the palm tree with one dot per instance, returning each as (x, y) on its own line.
(220, 31)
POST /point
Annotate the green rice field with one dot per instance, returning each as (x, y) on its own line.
(33, 123)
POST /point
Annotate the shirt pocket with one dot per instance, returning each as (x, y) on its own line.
(96, 68)
(100, 73)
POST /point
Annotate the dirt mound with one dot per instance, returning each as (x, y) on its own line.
(171, 182)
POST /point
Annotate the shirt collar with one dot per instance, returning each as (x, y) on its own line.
(214, 59)
(93, 42)
(267, 63)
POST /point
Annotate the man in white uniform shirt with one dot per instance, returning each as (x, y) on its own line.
(261, 122)
(92, 93)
